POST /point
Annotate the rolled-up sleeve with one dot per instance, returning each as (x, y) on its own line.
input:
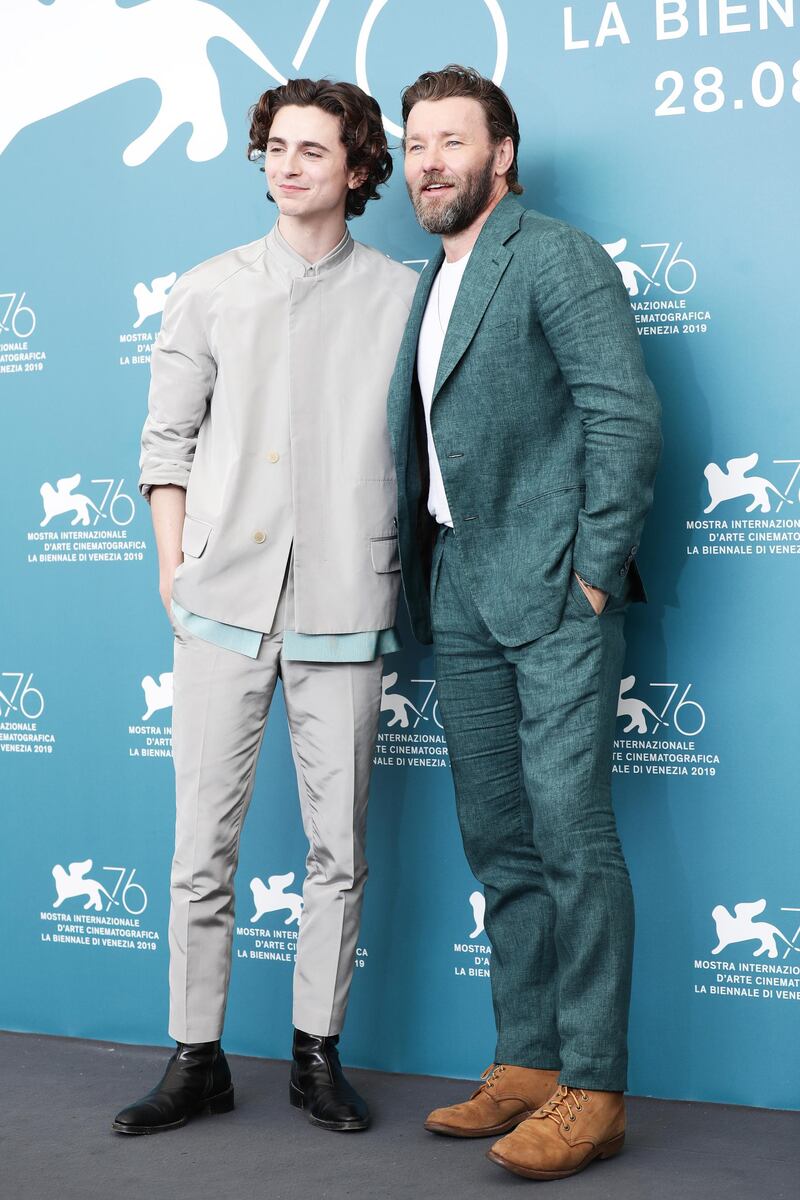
(183, 372)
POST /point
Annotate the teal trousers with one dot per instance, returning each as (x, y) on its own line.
(530, 731)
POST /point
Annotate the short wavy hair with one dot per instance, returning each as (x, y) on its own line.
(361, 130)
(455, 80)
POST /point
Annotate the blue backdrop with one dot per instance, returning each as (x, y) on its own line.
(666, 130)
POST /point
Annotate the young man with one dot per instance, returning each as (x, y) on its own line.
(267, 463)
(526, 438)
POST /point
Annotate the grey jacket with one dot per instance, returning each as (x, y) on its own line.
(268, 404)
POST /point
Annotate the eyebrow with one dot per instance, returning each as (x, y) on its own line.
(444, 133)
(282, 142)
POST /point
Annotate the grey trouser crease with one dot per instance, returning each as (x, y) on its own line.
(530, 732)
(221, 702)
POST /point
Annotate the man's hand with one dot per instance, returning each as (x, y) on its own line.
(168, 509)
(165, 589)
(596, 598)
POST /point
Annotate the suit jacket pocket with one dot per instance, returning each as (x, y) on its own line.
(502, 326)
(577, 593)
(195, 536)
(385, 554)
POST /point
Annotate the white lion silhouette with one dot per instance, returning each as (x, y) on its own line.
(72, 883)
(55, 56)
(150, 301)
(734, 482)
(60, 499)
(628, 270)
(272, 897)
(398, 705)
(635, 710)
(742, 928)
(478, 905)
(157, 695)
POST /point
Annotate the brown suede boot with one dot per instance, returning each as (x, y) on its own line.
(564, 1135)
(506, 1097)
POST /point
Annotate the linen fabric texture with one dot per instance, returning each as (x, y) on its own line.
(546, 428)
(530, 731)
(545, 423)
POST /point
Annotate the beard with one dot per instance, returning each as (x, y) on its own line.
(469, 199)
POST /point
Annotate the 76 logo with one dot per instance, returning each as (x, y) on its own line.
(400, 708)
(16, 317)
(28, 701)
(63, 499)
(688, 716)
(132, 895)
(76, 883)
(678, 274)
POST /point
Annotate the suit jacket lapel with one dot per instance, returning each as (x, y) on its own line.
(485, 269)
(401, 391)
(408, 348)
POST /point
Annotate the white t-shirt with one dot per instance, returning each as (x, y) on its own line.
(429, 350)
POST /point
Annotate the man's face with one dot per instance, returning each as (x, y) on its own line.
(450, 163)
(306, 163)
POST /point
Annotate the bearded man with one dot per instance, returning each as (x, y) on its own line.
(526, 438)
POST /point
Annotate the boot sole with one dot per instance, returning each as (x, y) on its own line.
(297, 1100)
(221, 1103)
(605, 1150)
(494, 1131)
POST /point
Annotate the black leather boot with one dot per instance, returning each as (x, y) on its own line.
(197, 1079)
(318, 1085)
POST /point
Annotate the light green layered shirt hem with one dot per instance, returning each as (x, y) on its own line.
(297, 647)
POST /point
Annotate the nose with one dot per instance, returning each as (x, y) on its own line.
(291, 163)
(432, 163)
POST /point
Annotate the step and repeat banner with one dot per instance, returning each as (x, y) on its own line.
(665, 128)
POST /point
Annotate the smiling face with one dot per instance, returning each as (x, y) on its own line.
(454, 171)
(306, 163)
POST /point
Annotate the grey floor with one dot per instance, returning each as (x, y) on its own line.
(58, 1097)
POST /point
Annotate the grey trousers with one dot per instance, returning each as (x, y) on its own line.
(221, 702)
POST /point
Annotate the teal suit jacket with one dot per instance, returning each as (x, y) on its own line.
(545, 422)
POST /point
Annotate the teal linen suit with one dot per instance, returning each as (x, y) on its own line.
(546, 427)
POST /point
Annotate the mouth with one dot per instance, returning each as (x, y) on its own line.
(292, 188)
(436, 189)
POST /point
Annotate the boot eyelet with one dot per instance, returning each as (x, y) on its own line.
(579, 1107)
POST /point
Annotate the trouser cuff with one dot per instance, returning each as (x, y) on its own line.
(316, 1022)
(596, 1077)
(195, 1033)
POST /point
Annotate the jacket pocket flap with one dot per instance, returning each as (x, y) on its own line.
(385, 554)
(506, 325)
(195, 536)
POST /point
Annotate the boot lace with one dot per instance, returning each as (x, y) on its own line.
(490, 1076)
(560, 1107)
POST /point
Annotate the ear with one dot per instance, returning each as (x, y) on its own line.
(504, 156)
(357, 177)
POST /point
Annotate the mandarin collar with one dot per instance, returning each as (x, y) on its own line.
(297, 267)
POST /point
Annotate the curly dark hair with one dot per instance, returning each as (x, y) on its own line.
(455, 80)
(361, 125)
